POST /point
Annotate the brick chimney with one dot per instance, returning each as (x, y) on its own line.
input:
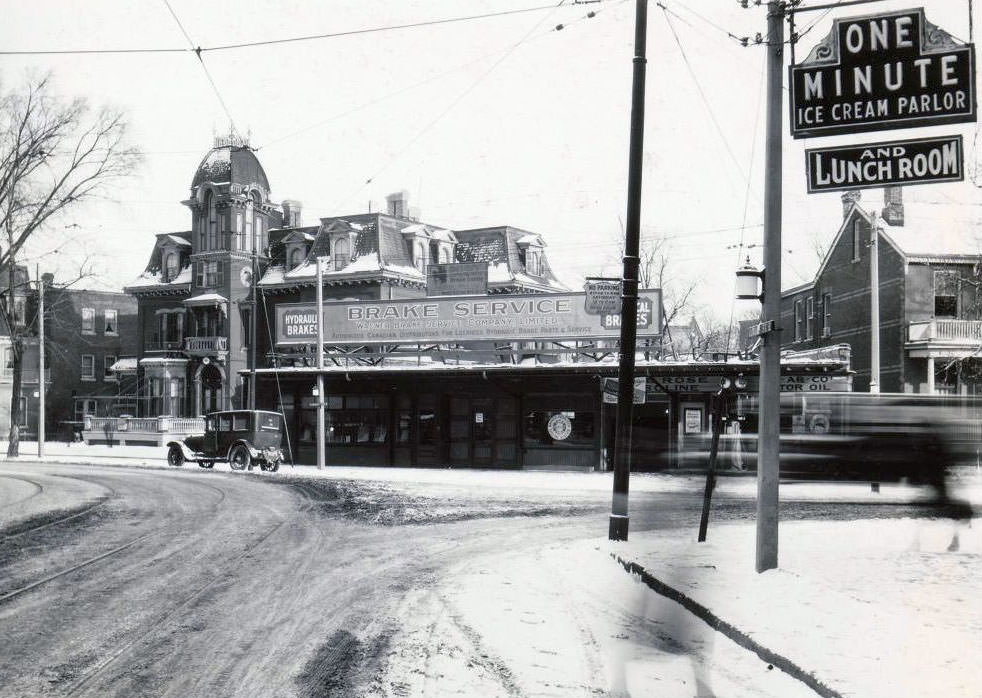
(291, 213)
(848, 199)
(397, 204)
(893, 205)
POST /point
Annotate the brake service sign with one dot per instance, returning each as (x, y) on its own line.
(878, 72)
(462, 318)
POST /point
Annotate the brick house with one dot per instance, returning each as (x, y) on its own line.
(930, 298)
(86, 333)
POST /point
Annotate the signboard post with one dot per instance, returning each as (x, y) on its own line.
(884, 71)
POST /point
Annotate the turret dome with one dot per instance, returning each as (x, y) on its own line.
(231, 161)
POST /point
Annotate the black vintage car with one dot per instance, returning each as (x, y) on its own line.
(242, 437)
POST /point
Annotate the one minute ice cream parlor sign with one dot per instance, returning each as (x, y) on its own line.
(885, 71)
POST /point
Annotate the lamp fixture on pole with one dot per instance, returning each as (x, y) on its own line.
(749, 283)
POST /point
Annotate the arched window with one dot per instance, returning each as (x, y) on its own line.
(212, 218)
(249, 215)
(420, 257)
(171, 267)
(444, 255)
(296, 257)
(257, 221)
(341, 254)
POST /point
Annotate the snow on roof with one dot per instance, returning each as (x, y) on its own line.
(161, 360)
(154, 278)
(364, 264)
(127, 365)
(206, 299)
(530, 239)
(178, 240)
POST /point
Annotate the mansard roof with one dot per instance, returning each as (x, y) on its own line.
(499, 247)
(151, 279)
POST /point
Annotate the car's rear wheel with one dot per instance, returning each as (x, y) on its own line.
(239, 458)
(175, 456)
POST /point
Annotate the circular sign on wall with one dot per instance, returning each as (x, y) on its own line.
(559, 427)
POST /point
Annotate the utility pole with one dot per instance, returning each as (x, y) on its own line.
(253, 318)
(320, 363)
(874, 304)
(41, 386)
(768, 441)
(629, 286)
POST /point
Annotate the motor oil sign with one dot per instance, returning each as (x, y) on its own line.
(885, 71)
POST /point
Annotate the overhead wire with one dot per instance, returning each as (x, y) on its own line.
(201, 61)
(746, 199)
(269, 42)
(702, 93)
(415, 85)
(460, 97)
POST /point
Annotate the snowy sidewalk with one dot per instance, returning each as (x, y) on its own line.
(876, 608)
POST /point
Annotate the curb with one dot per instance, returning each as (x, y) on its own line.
(735, 634)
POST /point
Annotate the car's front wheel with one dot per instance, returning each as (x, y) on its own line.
(239, 458)
(175, 456)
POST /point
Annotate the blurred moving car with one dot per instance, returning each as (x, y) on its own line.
(244, 438)
(874, 436)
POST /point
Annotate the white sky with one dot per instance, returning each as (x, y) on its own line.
(494, 121)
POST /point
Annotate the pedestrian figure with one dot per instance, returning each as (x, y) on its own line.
(944, 505)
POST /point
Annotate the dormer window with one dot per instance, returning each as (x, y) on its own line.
(532, 262)
(172, 266)
(342, 253)
(296, 257)
(419, 256)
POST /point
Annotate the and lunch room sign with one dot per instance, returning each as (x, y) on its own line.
(547, 316)
(884, 71)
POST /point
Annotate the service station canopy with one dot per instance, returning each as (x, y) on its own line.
(538, 317)
(884, 71)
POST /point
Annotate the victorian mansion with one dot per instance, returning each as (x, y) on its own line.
(196, 300)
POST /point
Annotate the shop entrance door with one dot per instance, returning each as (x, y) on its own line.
(427, 431)
(482, 432)
(692, 433)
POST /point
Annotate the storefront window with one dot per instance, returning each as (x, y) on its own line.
(559, 428)
(356, 420)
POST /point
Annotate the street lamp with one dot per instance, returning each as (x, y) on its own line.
(749, 283)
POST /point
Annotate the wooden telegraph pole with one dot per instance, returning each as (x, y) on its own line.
(629, 286)
(768, 442)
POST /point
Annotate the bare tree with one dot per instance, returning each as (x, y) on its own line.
(655, 271)
(55, 155)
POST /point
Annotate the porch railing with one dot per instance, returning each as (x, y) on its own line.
(962, 331)
(168, 425)
(205, 345)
